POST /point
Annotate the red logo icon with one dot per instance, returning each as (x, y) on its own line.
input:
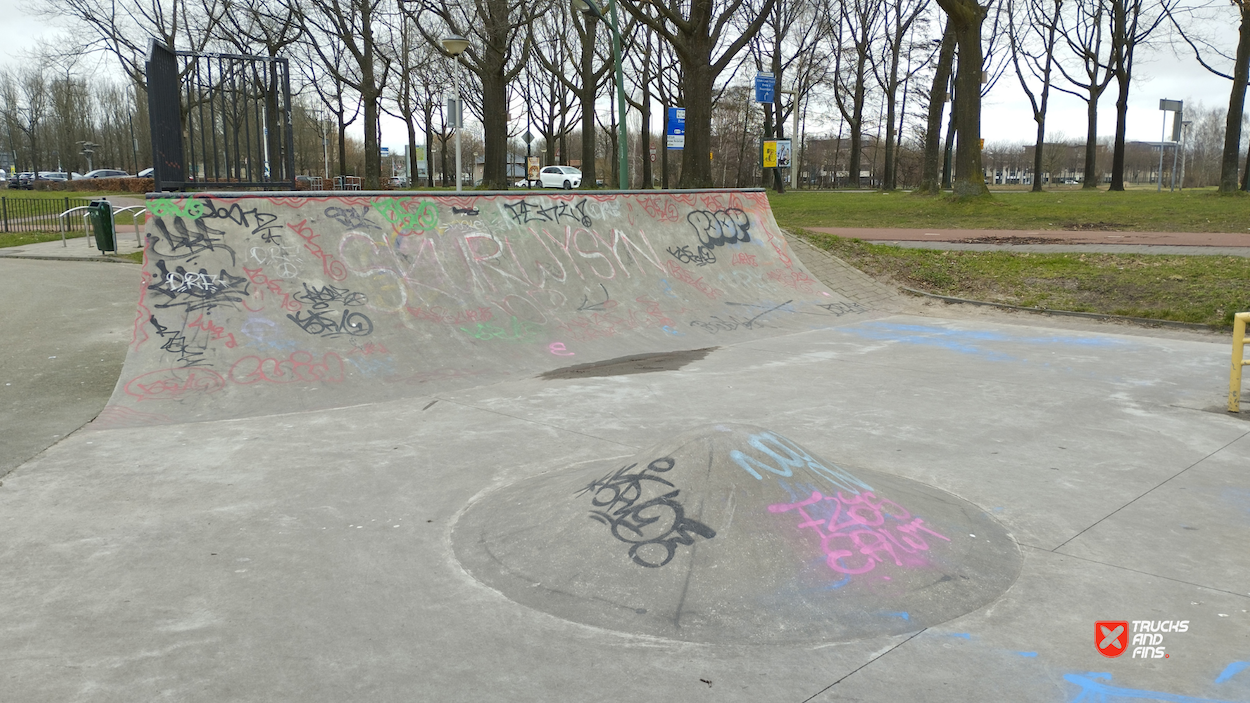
(1111, 637)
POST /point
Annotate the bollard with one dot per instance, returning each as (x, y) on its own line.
(1239, 348)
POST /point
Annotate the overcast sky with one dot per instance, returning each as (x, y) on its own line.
(1005, 115)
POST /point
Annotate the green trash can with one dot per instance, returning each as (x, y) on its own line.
(101, 214)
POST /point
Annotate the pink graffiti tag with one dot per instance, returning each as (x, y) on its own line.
(332, 267)
(870, 530)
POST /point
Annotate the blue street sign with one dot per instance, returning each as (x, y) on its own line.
(676, 128)
(765, 83)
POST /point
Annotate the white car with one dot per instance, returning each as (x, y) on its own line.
(565, 177)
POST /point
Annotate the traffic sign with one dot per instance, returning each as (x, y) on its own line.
(676, 128)
(528, 136)
(765, 83)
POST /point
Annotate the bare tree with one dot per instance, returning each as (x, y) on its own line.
(355, 24)
(930, 178)
(855, 26)
(499, 45)
(125, 28)
(1132, 23)
(1191, 23)
(900, 17)
(1083, 30)
(966, 17)
(1031, 28)
(25, 102)
(696, 31)
(324, 66)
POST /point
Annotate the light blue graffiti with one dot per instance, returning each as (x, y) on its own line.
(789, 456)
(968, 341)
(1092, 690)
(1031, 655)
(1230, 671)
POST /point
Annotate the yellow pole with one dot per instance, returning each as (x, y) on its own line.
(1234, 375)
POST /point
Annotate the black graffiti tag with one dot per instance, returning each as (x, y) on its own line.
(715, 228)
(526, 211)
(840, 309)
(321, 298)
(182, 243)
(701, 256)
(197, 290)
(349, 218)
(265, 222)
(642, 512)
(319, 323)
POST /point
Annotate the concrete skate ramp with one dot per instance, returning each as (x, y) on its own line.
(268, 303)
(733, 534)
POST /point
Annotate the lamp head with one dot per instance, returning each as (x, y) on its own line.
(454, 44)
(590, 7)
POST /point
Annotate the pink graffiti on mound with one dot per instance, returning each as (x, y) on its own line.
(331, 266)
(862, 531)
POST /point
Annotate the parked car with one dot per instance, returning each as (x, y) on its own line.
(560, 177)
(103, 173)
(145, 173)
(526, 183)
(53, 176)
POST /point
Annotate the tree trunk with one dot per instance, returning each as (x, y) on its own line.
(495, 126)
(1236, 106)
(930, 179)
(696, 164)
(966, 17)
(1092, 175)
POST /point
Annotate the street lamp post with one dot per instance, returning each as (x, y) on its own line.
(591, 7)
(455, 45)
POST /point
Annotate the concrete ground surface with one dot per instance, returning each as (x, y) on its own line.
(307, 556)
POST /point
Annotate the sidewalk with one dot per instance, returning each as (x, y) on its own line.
(77, 249)
(1191, 243)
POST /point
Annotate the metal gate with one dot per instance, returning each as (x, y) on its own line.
(219, 121)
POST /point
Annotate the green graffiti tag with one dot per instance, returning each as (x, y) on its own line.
(190, 208)
(518, 332)
(409, 215)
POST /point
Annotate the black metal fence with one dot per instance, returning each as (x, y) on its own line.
(220, 121)
(36, 214)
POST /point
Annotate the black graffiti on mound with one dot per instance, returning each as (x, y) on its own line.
(526, 211)
(265, 222)
(323, 324)
(840, 309)
(189, 353)
(320, 298)
(196, 290)
(719, 227)
(643, 522)
(183, 243)
(701, 256)
(349, 218)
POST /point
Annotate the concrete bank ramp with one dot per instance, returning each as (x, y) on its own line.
(733, 534)
(254, 304)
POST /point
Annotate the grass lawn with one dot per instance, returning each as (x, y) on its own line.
(17, 239)
(1133, 210)
(1201, 289)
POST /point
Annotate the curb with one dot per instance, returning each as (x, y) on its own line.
(39, 257)
(1147, 321)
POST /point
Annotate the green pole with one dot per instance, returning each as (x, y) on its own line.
(622, 147)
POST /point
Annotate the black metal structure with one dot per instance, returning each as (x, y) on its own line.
(219, 121)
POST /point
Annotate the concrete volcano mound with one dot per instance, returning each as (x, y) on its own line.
(734, 534)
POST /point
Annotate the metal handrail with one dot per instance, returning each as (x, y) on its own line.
(137, 209)
(1239, 348)
(86, 223)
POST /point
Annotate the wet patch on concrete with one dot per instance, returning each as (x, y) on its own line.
(625, 365)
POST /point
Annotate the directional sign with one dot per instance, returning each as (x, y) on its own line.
(386, 152)
(528, 136)
(765, 83)
(676, 128)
